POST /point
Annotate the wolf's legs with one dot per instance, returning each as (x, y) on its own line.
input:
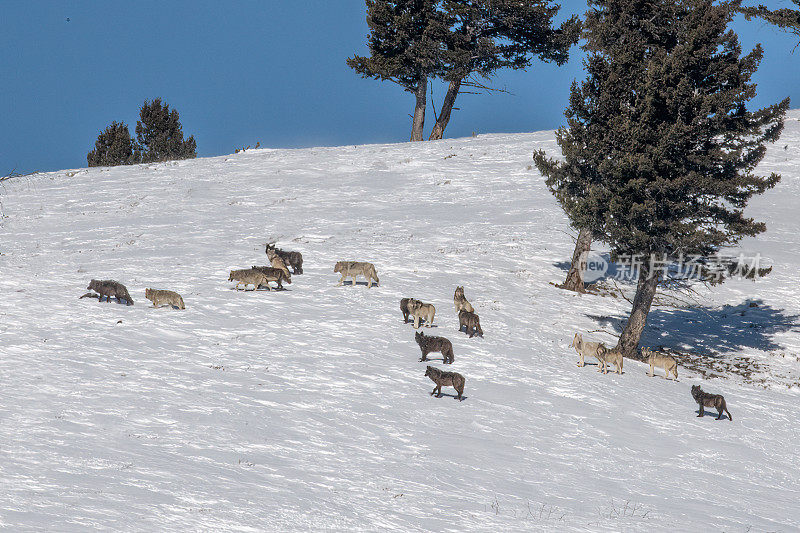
(702, 411)
(581, 363)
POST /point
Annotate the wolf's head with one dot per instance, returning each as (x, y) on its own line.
(148, 293)
(230, 278)
(577, 341)
(430, 371)
(92, 284)
(338, 267)
(696, 391)
(419, 336)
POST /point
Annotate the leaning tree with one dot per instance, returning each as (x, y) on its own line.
(486, 35)
(405, 45)
(660, 149)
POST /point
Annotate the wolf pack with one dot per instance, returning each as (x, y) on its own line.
(421, 314)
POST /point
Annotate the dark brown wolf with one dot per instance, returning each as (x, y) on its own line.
(445, 379)
(273, 274)
(292, 259)
(704, 399)
(435, 344)
(471, 322)
(110, 289)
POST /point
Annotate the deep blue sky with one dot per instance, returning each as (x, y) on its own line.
(241, 72)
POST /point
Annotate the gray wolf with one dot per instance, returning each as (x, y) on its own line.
(419, 311)
(608, 357)
(292, 259)
(461, 302)
(654, 359)
(471, 322)
(428, 344)
(110, 289)
(351, 269)
(248, 276)
(159, 298)
(585, 349)
(277, 275)
(445, 379)
(704, 399)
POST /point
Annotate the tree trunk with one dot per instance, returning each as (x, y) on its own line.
(447, 108)
(574, 281)
(418, 124)
(632, 333)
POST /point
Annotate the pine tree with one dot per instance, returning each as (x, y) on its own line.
(112, 147)
(785, 18)
(159, 134)
(660, 148)
(487, 35)
(405, 44)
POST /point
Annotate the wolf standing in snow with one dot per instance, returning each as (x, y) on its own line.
(274, 274)
(445, 379)
(655, 359)
(110, 289)
(351, 269)
(248, 276)
(428, 344)
(292, 259)
(277, 261)
(608, 357)
(461, 302)
(704, 399)
(585, 349)
(160, 297)
(419, 311)
(470, 322)
(405, 306)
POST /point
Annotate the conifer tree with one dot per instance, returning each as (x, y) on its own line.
(787, 19)
(159, 134)
(660, 148)
(112, 147)
(405, 44)
(486, 35)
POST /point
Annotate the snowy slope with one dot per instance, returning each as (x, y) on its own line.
(307, 409)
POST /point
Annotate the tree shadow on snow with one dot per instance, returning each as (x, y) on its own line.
(727, 329)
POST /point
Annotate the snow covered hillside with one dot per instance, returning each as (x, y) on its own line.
(307, 409)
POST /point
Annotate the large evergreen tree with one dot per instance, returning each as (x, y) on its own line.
(405, 44)
(487, 35)
(160, 135)
(660, 148)
(113, 147)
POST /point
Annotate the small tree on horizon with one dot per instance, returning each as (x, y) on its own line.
(159, 134)
(660, 148)
(113, 147)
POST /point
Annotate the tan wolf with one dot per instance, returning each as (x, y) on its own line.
(405, 303)
(159, 298)
(705, 399)
(445, 379)
(277, 261)
(418, 311)
(273, 274)
(461, 302)
(351, 269)
(248, 276)
(584, 349)
(292, 259)
(470, 322)
(656, 359)
(608, 357)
